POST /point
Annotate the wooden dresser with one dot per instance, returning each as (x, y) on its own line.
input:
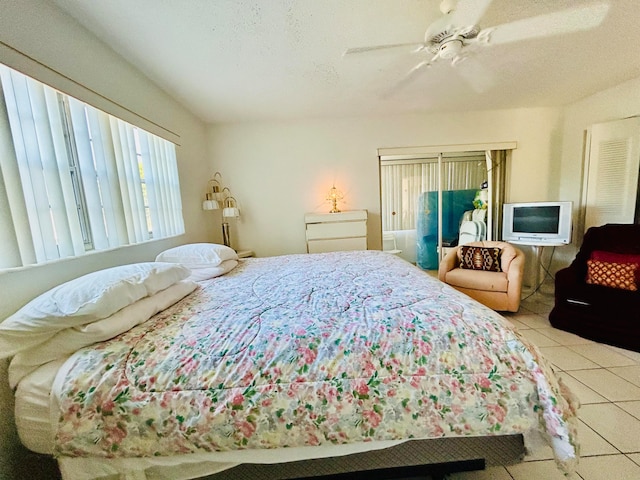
(332, 232)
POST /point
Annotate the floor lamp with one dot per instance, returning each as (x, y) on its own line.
(230, 210)
(214, 196)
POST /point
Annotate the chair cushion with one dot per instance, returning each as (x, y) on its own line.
(480, 258)
(477, 279)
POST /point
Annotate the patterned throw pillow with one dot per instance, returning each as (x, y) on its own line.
(480, 258)
(614, 275)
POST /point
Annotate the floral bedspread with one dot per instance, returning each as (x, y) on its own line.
(308, 350)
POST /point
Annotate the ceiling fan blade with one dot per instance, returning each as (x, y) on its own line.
(556, 23)
(469, 12)
(409, 76)
(350, 51)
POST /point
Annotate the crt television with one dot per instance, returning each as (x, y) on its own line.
(537, 223)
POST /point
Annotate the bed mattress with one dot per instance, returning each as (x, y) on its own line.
(309, 350)
(33, 411)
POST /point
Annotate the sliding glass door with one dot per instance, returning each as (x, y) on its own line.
(425, 199)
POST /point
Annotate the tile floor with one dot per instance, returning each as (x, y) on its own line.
(606, 379)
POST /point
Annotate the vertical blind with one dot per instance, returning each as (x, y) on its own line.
(77, 178)
(403, 182)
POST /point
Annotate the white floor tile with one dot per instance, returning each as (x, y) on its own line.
(631, 407)
(635, 356)
(593, 444)
(532, 320)
(602, 355)
(545, 469)
(580, 390)
(566, 359)
(614, 424)
(635, 457)
(598, 375)
(538, 339)
(542, 453)
(608, 467)
(630, 374)
(517, 324)
(562, 337)
(607, 384)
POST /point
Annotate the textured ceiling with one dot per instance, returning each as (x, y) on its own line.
(245, 60)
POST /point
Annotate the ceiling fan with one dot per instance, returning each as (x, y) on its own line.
(450, 37)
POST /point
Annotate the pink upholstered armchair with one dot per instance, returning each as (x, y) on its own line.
(499, 290)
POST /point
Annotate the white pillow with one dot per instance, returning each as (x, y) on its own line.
(69, 340)
(196, 255)
(84, 300)
(203, 273)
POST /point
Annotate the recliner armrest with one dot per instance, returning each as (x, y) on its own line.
(566, 279)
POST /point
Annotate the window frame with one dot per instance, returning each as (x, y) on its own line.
(108, 143)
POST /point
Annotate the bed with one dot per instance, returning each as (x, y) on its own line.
(283, 360)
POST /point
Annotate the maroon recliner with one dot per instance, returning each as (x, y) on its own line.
(600, 313)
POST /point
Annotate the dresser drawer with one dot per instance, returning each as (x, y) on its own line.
(331, 232)
(337, 245)
(348, 216)
(316, 231)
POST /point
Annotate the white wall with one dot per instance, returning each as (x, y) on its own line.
(38, 29)
(615, 103)
(280, 171)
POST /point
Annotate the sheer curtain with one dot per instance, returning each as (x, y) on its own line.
(98, 183)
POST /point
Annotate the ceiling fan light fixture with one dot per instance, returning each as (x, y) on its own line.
(450, 49)
(448, 6)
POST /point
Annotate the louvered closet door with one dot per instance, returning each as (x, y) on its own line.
(612, 184)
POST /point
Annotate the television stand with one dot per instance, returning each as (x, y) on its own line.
(539, 247)
(538, 282)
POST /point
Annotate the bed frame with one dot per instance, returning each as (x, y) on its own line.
(434, 457)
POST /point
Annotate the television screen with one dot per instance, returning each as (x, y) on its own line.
(544, 219)
(537, 223)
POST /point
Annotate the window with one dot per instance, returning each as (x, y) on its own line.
(76, 179)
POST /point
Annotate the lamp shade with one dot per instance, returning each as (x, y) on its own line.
(210, 205)
(333, 196)
(229, 212)
(230, 208)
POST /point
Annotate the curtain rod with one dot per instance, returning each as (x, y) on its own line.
(435, 150)
(14, 58)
